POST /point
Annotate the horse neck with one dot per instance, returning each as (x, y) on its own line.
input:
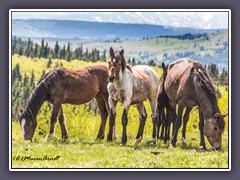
(36, 99)
(122, 76)
(207, 105)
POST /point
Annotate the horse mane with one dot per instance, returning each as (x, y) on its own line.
(43, 77)
(209, 89)
(124, 63)
(51, 77)
(129, 67)
(40, 93)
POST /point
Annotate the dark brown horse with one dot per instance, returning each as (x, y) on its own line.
(164, 111)
(67, 86)
(187, 85)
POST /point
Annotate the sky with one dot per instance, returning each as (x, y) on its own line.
(203, 20)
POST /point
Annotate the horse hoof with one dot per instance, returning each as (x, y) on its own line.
(65, 137)
(138, 141)
(99, 138)
(109, 138)
(46, 139)
(154, 140)
(172, 146)
(182, 140)
(114, 138)
(203, 148)
(49, 137)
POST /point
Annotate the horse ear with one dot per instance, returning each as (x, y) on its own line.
(224, 115)
(216, 115)
(111, 51)
(21, 110)
(163, 66)
(122, 52)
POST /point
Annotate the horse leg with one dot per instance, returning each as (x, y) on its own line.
(185, 120)
(126, 105)
(178, 125)
(142, 116)
(167, 125)
(62, 124)
(105, 98)
(163, 125)
(201, 125)
(112, 107)
(173, 116)
(56, 107)
(153, 103)
(103, 114)
(159, 121)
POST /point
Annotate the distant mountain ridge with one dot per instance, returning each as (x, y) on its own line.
(94, 30)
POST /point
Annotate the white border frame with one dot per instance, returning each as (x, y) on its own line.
(120, 10)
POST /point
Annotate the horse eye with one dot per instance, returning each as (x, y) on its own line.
(215, 128)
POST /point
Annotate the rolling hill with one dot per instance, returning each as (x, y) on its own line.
(94, 30)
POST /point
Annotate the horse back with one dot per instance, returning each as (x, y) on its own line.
(145, 82)
(179, 82)
(79, 86)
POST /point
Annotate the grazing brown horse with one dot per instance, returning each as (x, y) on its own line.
(66, 86)
(131, 86)
(187, 85)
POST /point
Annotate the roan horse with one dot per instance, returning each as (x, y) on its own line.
(72, 86)
(187, 85)
(131, 86)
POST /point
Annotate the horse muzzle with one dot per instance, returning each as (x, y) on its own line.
(111, 78)
(217, 147)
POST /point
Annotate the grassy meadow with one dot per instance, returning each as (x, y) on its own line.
(81, 150)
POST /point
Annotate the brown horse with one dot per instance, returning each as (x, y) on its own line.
(71, 86)
(162, 107)
(165, 119)
(131, 86)
(187, 85)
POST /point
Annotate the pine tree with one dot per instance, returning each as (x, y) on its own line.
(49, 62)
(56, 50)
(41, 49)
(35, 52)
(133, 61)
(21, 51)
(63, 53)
(68, 52)
(32, 80)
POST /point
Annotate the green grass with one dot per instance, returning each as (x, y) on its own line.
(82, 151)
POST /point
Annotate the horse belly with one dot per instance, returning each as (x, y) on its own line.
(139, 98)
(77, 97)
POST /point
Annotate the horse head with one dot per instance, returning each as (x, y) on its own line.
(28, 124)
(213, 130)
(165, 68)
(116, 63)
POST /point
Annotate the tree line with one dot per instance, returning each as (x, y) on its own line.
(187, 36)
(28, 48)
